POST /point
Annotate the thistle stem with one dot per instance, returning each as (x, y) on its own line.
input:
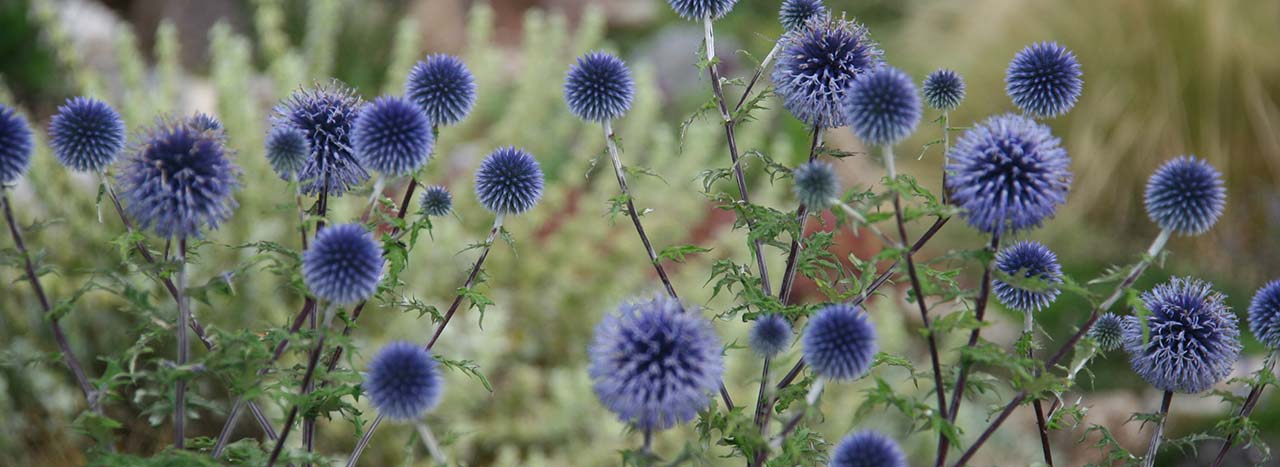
(364, 441)
(802, 212)
(946, 148)
(307, 378)
(755, 77)
(1156, 438)
(1251, 401)
(184, 348)
(1028, 332)
(429, 441)
(980, 308)
(811, 401)
(621, 174)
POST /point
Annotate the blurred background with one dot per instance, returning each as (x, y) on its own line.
(1162, 78)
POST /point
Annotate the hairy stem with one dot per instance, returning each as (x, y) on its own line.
(802, 212)
(980, 308)
(1251, 401)
(755, 77)
(1156, 438)
(1028, 333)
(307, 378)
(184, 348)
(364, 441)
(621, 174)
(811, 401)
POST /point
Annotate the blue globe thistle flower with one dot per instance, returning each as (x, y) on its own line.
(817, 63)
(443, 87)
(287, 150)
(1108, 332)
(868, 449)
(1044, 79)
(794, 13)
(403, 381)
(696, 10)
(1008, 173)
(944, 89)
(1193, 342)
(883, 106)
(599, 87)
(15, 145)
(1029, 261)
(840, 343)
(436, 201)
(392, 136)
(654, 365)
(179, 180)
(1186, 195)
(1264, 315)
(343, 265)
(327, 114)
(770, 335)
(205, 122)
(816, 184)
(509, 181)
(86, 134)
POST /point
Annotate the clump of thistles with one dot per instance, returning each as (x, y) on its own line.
(392, 136)
(327, 115)
(794, 13)
(816, 185)
(343, 265)
(770, 335)
(816, 65)
(943, 89)
(15, 145)
(1008, 173)
(1044, 79)
(1185, 195)
(287, 150)
(654, 365)
(1264, 315)
(882, 106)
(443, 87)
(403, 381)
(697, 10)
(1108, 332)
(435, 202)
(839, 343)
(868, 449)
(179, 180)
(599, 87)
(1036, 275)
(86, 134)
(1193, 340)
(509, 181)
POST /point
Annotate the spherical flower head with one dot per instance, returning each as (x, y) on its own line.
(443, 87)
(816, 65)
(1044, 79)
(1108, 332)
(1186, 195)
(840, 343)
(287, 150)
(883, 106)
(1193, 340)
(816, 185)
(770, 335)
(1008, 173)
(599, 87)
(868, 449)
(794, 13)
(205, 122)
(403, 381)
(86, 134)
(944, 89)
(392, 136)
(1037, 272)
(436, 201)
(15, 146)
(697, 10)
(327, 115)
(1264, 315)
(509, 181)
(654, 365)
(343, 265)
(179, 180)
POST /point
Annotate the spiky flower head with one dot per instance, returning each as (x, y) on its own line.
(86, 134)
(794, 13)
(1044, 79)
(816, 185)
(343, 265)
(1008, 173)
(15, 146)
(868, 449)
(1192, 341)
(436, 201)
(839, 342)
(655, 365)
(287, 150)
(443, 87)
(770, 335)
(883, 106)
(1036, 272)
(599, 87)
(696, 10)
(816, 65)
(1186, 195)
(179, 179)
(944, 89)
(1264, 315)
(509, 181)
(327, 115)
(205, 122)
(403, 381)
(1108, 332)
(392, 136)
